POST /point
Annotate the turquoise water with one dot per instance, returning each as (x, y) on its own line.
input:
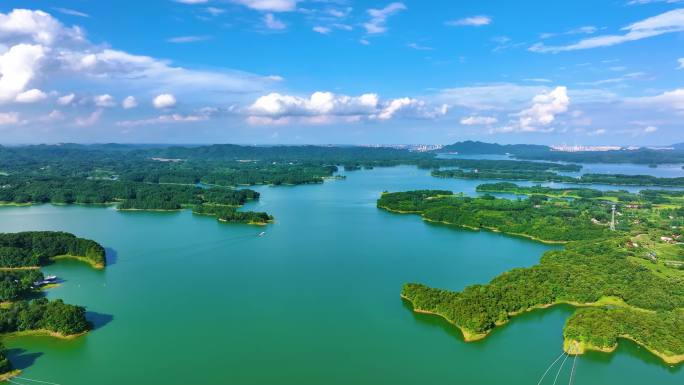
(187, 300)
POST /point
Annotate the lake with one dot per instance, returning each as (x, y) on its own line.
(188, 300)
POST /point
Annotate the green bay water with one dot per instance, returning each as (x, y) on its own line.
(188, 300)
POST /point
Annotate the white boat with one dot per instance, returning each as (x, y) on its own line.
(50, 278)
(261, 234)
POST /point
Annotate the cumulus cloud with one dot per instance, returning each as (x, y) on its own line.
(479, 120)
(129, 102)
(164, 101)
(104, 100)
(472, 21)
(36, 48)
(541, 114)
(18, 66)
(31, 96)
(65, 100)
(681, 63)
(650, 129)
(378, 21)
(323, 107)
(668, 22)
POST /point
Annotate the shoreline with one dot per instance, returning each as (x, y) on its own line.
(43, 333)
(93, 264)
(494, 230)
(468, 336)
(9, 375)
(569, 346)
(576, 347)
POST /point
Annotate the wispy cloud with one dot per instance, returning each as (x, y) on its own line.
(419, 47)
(271, 22)
(188, 39)
(472, 21)
(71, 12)
(668, 22)
(587, 29)
(378, 22)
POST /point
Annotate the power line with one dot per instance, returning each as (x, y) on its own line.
(559, 369)
(42, 382)
(572, 372)
(549, 368)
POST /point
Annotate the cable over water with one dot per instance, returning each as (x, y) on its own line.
(549, 368)
(560, 368)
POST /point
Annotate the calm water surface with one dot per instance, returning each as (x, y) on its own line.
(187, 300)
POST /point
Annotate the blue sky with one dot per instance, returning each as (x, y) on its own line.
(342, 71)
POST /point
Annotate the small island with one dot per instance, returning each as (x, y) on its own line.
(622, 284)
(21, 256)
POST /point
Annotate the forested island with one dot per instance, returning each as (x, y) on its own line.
(622, 288)
(21, 255)
(550, 176)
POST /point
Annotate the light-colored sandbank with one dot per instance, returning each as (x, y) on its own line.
(9, 375)
(43, 333)
(93, 264)
(578, 347)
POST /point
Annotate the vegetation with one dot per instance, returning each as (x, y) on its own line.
(550, 176)
(20, 279)
(43, 315)
(230, 214)
(36, 248)
(596, 263)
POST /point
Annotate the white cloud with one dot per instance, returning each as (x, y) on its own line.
(9, 118)
(65, 100)
(192, 1)
(321, 29)
(71, 12)
(271, 22)
(104, 100)
(473, 21)
(169, 118)
(269, 5)
(188, 39)
(668, 22)
(587, 29)
(323, 107)
(419, 47)
(89, 120)
(215, 11)
(599, 131)
(18, 67)
(31, 96)
(39, 26)
(479, 120)
(650, 129)
(164, 101)
(378, 22)
(681, 63)
(640, 2)
(541, 114)
(669, 100)
(36, 50)
(544, 109)
(129, 102)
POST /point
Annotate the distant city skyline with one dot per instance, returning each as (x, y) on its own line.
(582, 73)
